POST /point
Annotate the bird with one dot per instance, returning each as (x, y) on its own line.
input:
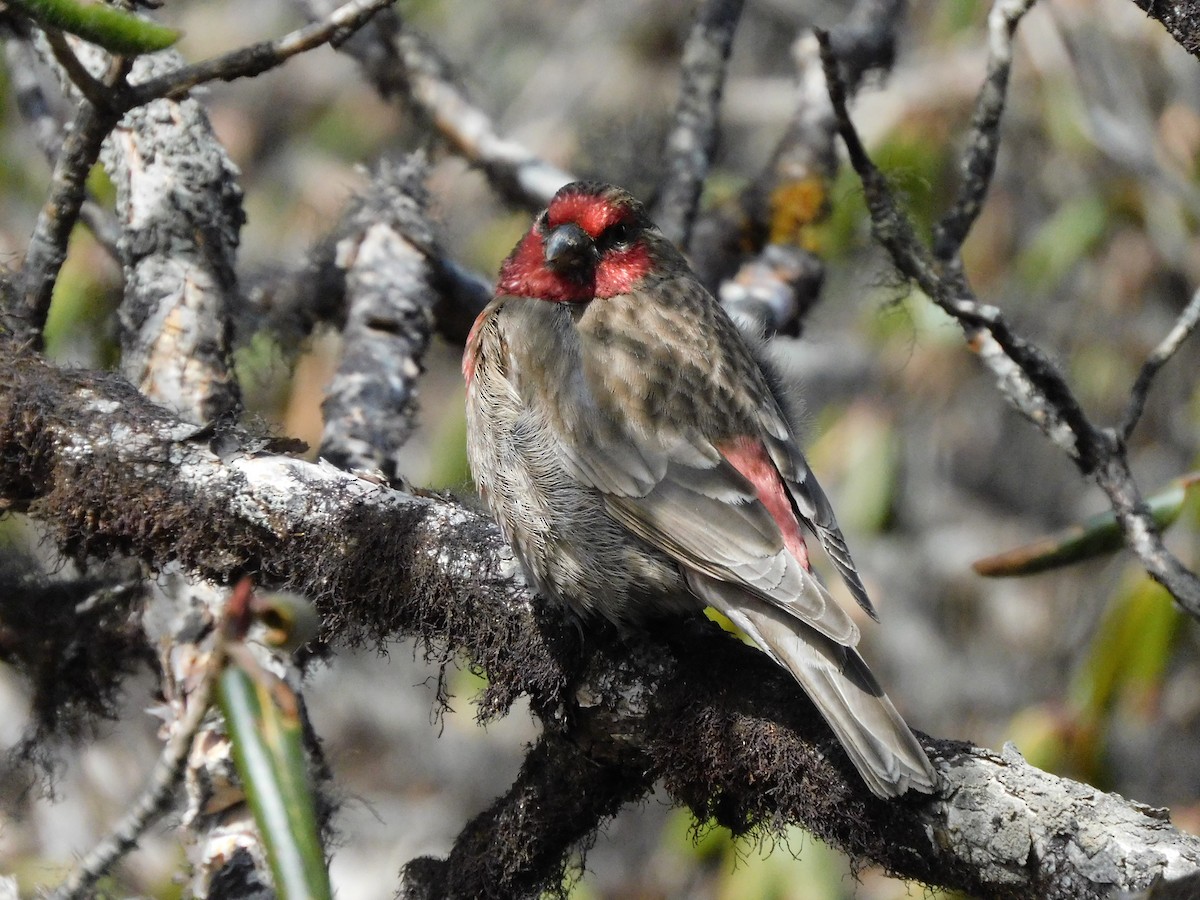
(632, 445)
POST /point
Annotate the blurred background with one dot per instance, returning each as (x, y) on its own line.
(1088, 242)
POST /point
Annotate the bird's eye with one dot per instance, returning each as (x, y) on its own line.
(543, 221)
(616, 237)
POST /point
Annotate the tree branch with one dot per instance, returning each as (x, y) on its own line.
(523, 842)
(728, 733)
(978, 163)
(1159, 357)
(694, 134)
(1026, 376)
(257, 58)
(401, 62)
(1181, 18)
(370, 404)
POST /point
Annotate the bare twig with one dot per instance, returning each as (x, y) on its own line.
(694, 133)
(261, 57)
(1184, 326)
(157, 797)
(48, 130)
(401, 62)
(978, 163)
(1027, 378)
(93, 90)
(48, 243)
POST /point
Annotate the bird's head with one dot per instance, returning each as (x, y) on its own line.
(592, 241)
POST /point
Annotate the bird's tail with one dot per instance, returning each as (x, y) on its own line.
(879, 743)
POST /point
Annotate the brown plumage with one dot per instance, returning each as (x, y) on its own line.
(635, 455)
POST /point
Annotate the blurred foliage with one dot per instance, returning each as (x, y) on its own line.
(858, 450)
(1057, 246)
(1121, 675)
(81, 326)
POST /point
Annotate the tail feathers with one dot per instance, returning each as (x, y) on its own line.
(879, 743)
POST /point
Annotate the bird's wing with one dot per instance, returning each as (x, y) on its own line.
(733, 522)
(810, 503)
(719, 508)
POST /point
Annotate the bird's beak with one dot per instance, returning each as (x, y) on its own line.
(570, 249)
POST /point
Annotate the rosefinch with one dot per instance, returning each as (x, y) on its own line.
(636, 456)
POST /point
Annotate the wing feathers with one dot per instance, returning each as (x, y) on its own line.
(879, 743)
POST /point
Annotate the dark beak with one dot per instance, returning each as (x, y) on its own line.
(570, 249)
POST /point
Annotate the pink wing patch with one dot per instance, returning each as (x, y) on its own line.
(749, 457)
(471, 351)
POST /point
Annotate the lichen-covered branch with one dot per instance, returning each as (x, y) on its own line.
(693, 134)
(978, 162)
(179, 207)
(727, 733)
(385, 252)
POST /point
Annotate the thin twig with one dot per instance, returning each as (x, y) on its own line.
(1141, 535)
(1027, 377)
(1184, 326)
(156, 799)
(258, 58)
(93, 90)
(48, 243)
(48, 131)
(694, 135)
(401, 62)
(978, 162)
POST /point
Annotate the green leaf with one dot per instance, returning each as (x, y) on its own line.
(269, 753)
(1131, 648)
(1095, 536)
(109, 28)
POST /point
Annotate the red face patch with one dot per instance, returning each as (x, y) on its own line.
(591, 213)
(620, 268)
(525, 274)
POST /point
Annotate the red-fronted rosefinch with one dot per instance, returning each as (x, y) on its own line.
(636, 456)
